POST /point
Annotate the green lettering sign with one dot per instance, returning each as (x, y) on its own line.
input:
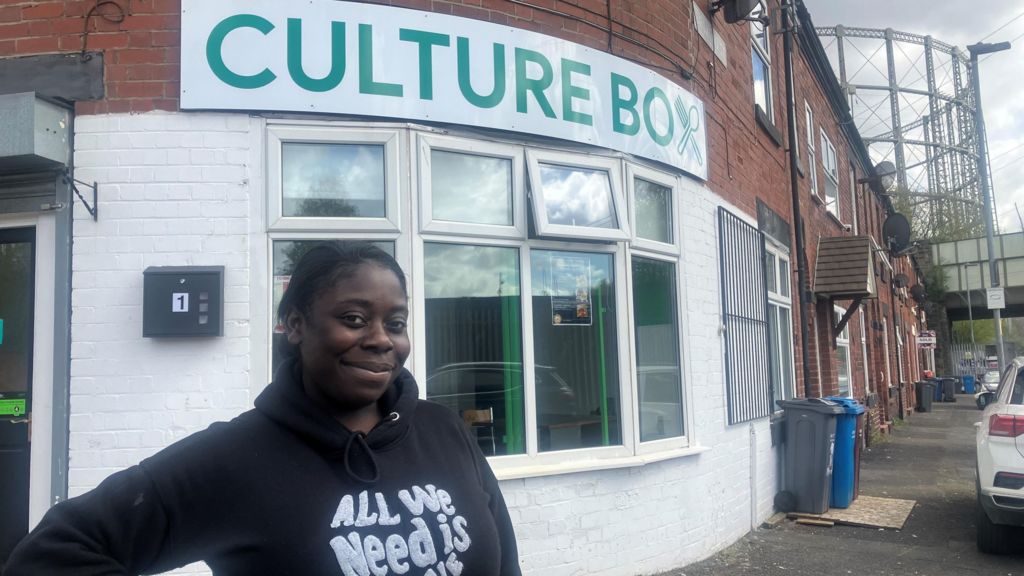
(426, 41)
(479, 100)
(627, 105)
(299, 76)
(12, 407)
(571, 92)
(215, 44)
(652, 95)
(535, 85)
(367, 85)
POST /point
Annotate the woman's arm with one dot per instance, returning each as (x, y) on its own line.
(118, 528)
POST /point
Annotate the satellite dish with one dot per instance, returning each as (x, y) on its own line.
(917, 292)
(886, 173)
(735, 10)
(901, 280)
(896, 232)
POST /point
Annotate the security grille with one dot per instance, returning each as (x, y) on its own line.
(745, 315)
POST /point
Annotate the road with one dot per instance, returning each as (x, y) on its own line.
(930, 459)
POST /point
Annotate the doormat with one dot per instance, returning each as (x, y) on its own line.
(868, 511)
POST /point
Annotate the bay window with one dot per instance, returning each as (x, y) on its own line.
(545, 285)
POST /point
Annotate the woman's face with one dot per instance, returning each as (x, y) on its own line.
(353, 342)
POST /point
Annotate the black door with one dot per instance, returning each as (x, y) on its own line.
(17, 289)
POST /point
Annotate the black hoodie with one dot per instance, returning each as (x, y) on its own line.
(284, 489)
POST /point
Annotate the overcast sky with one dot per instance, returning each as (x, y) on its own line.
(961, 23)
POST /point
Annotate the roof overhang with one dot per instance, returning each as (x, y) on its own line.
(844, 269)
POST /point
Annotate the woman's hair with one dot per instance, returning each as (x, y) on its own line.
(323, 266)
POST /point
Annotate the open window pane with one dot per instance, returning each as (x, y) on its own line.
(574, 333)
(332, 180)
(287, 254)
(653, 211)
(474, 340)
(659, 386)
(470, 188)
(576, 196)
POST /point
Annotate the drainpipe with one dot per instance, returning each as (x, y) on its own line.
(798, 228)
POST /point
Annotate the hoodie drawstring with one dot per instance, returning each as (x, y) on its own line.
(360, 439)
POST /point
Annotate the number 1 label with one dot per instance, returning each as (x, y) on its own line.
(179, 302)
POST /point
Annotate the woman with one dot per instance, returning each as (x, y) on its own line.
(339, 470)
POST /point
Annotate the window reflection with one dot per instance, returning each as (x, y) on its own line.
(575, 349)
(653, 211)
(470, 188)
(474, 342)
(577, 196)
(659, 385)
(332, 180)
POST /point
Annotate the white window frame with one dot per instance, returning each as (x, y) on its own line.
(843, 341)
(778, 300)
(408, 226)
(853, 198)
(546, 229)
(394, 191)
(812, 166)
(426, 143)
(635, 171)
(763, 52)
(830, 165)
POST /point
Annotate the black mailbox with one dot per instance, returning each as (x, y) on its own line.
(183, 301)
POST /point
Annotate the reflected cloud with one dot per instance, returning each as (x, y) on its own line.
(577, 196)
(470, 188)
(457, 271)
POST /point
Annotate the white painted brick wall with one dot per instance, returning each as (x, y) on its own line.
(175, 190)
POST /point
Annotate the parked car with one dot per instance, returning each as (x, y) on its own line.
(987, 386)
(1000, 465)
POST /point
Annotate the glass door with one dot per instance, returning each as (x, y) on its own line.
(17, 289)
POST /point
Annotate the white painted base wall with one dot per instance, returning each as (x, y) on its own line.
(184, 189)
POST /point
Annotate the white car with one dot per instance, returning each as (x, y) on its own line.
(987, 386)
(1000, 465)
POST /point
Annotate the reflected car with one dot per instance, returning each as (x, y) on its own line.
(1000, 466)
(987, 386)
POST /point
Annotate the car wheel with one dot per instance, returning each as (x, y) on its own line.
(992, 538)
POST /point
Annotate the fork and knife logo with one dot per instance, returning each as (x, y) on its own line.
(690, 119)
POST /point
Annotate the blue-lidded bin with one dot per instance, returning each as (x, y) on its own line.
(844, 465)
(937, 389)
(968, 384)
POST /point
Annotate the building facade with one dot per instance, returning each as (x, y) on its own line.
(592, 202)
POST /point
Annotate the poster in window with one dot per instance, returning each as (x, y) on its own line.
(570, 300)
(280, 285)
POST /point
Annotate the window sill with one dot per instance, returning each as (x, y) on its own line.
(835, 219)
(767, 126)
(595, 464)
(817, 199)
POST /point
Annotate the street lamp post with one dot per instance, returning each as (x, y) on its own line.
(970, 315)
(986, 193)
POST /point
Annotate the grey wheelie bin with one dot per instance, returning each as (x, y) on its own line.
(924, 394)
(810, 443)
(949, 389)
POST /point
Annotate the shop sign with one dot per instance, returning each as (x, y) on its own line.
(364, 59)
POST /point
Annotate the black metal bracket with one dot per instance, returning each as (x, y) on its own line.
(838, 328)
(94, 210)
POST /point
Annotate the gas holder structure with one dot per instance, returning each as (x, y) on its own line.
(912, 100)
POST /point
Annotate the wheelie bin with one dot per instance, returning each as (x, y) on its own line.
(844, 464)
(949, 389)
(924, 394)
(810, 442)
(968, 383)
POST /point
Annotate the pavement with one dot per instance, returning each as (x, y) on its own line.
(928, 458)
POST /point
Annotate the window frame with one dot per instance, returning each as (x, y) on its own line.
(812, 160)
(843, 341)
(764, 53)
(426, 143)
(831, 170)
(408, 226)
(545, 229)
(782, 302)
(635, 171)
(391, 139)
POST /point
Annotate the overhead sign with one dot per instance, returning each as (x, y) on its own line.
(365, 59)
(996, 298)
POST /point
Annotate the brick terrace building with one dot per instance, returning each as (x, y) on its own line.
(635, 152)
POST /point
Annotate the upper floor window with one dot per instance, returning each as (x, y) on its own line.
(831, 166)
(811, 156)
(760, 56)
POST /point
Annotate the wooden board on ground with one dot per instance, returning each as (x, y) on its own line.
(815, 522)
(869, 511)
